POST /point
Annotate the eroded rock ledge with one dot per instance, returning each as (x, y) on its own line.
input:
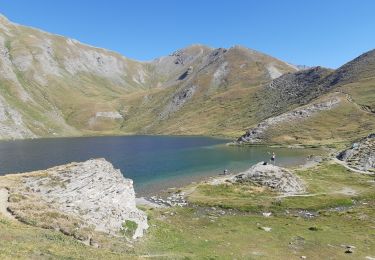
(90, 194)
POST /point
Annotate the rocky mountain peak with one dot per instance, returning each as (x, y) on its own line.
(242, 48)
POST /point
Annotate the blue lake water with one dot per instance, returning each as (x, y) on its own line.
(153, 162)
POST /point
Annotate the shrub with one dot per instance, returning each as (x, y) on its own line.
(129, 227)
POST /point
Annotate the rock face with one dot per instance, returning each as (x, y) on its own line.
(274, 177)
(178, 100)
(361, 155)
(92, 190)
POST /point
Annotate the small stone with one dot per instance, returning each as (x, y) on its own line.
(267, 214)
(267, 229)
(93, 243)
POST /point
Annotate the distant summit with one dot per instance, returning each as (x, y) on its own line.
(303, 67)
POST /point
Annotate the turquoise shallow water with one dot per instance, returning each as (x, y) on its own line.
(153, 162)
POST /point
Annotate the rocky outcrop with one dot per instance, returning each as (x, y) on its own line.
(255, 134)
(12, 124)
(361, 155)
(92, 191)
(179, 61)
(274, 177)
(178, 100)
(273, 71)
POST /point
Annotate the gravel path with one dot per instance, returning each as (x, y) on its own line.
(350, 168)
(4, 194)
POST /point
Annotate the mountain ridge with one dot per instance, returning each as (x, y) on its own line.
(56, 86)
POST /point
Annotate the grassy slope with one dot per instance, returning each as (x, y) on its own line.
(229, 111)
(67, 105)
(203, 233)
(320, 183)
(19, 241)
(362, 93)
(343, 124)
(220, 110)
(188, 236)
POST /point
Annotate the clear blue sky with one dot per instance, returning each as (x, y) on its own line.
(319, 32)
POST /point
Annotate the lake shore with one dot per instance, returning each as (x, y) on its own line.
(161, 196)
(154, 163)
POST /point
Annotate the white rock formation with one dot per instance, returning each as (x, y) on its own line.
(104, 64)
(110, 114)
(91, 190)
(220, 74)
(273, 71)
(140, 76)
(274, 177)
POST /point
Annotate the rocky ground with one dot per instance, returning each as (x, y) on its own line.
(361, 155)
(261, 174)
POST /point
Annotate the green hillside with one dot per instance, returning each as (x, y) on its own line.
(52, 86)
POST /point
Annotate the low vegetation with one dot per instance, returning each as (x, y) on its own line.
(321, 192)
(227, 222)
(129, 227)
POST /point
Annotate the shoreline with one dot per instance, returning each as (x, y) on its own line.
(177, 196)
(221, 137)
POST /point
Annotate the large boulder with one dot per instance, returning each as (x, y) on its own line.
(274, 177)
(92, 191)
